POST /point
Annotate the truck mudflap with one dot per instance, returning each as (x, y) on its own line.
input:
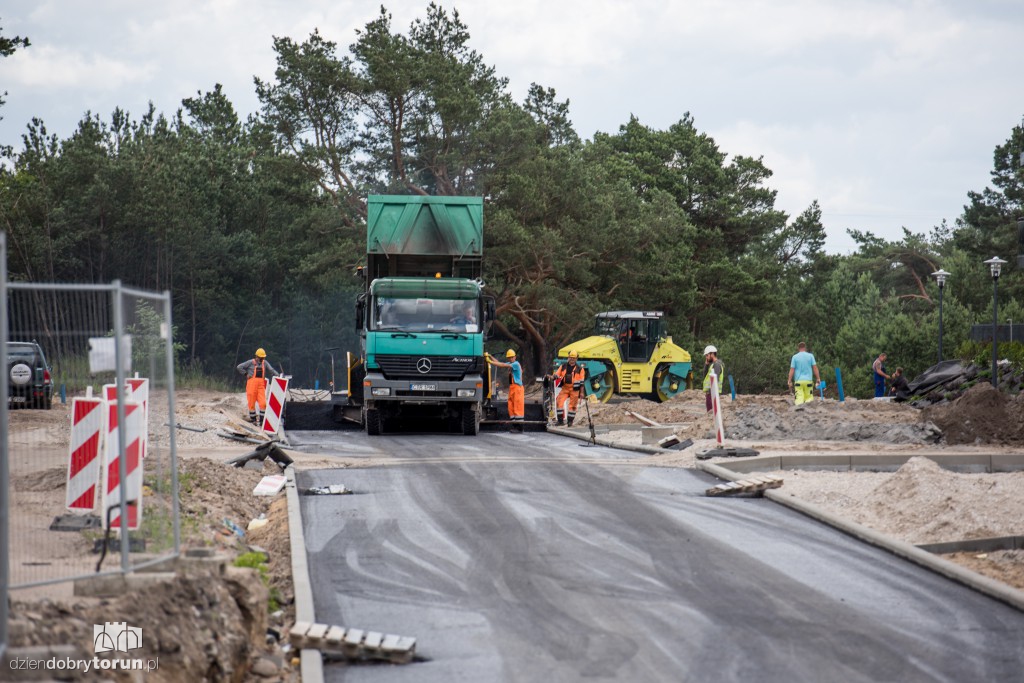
(537, 413)
(496, 417)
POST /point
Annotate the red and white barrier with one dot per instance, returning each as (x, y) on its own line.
(140, 395)
(275, 405)
(133, 465)
(84, 461)
(137, 391)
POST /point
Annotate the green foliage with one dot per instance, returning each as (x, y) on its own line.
(8, 46)
(757, 356)
(980, 353)
(258, 561)
(256, 226)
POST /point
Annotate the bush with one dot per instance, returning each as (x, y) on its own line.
(258, 561)
(980, 353)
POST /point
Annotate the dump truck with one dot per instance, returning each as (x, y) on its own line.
(422, 316)
(630, 353)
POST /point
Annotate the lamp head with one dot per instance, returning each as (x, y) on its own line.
(940, 277)
(995, 265)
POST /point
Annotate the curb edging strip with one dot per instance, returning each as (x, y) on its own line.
(994, 589)
(311, 661)
(978, 582)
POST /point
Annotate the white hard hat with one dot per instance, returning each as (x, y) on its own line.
(710, 349)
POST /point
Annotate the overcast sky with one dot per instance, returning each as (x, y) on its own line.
(886, 112)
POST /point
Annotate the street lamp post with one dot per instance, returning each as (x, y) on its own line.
(995, 264)
(940, 277)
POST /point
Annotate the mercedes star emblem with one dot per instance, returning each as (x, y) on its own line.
(423, 366)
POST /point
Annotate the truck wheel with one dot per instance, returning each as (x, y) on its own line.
(373, 422)
(470, 422)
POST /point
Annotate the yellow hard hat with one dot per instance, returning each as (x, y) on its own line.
(510, 354)
(574, 354)
(260, 353)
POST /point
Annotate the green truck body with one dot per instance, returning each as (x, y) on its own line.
(423, 315)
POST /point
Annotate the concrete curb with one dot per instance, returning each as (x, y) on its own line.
(585, 436)
(311, 661)
(982, 584)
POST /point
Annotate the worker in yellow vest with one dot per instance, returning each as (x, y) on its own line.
(711, 362)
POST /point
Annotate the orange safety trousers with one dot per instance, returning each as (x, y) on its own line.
(256, 392)
(516, 402)
(567, 394)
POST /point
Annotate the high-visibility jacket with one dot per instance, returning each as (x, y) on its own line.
(719, 371)
(257, 367)
(572, 374)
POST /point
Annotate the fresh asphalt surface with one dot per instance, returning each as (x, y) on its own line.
(527, 557)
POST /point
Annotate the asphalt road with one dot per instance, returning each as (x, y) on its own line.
(526, 557)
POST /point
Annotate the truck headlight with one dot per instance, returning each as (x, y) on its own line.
(381, 391)
(465, 393)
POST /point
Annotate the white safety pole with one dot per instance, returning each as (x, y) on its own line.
(717, 408)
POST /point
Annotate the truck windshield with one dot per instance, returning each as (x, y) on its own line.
(425, 315)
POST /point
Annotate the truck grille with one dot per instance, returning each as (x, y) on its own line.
(441, 367)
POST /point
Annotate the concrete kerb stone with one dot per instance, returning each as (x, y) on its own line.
(585, 436)
(951, 570)
(652, 435)
(975, 545)
(311, 661)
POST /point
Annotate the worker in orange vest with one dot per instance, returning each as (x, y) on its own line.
(570, 376)
(516, 394)
(257, 373)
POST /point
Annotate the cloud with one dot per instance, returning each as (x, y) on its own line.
(46, 67)
(887, 113)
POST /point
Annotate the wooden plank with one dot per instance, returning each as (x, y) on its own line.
(316, 634)
(352, 643)
(297, 634)
(750, 485)
(334, 639)
(247, 429)
(407, 644)
(643, 420)
(398, 649)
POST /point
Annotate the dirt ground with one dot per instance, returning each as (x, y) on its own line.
(224, 627)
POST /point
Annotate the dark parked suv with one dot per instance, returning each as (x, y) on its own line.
(28, 376)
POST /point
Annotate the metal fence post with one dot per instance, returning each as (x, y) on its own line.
(5, 474)
(122, 466)
(172, 421)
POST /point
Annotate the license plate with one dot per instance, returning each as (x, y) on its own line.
(17, 399)
(423, 387)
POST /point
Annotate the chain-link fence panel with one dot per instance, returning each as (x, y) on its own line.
(90, 439)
